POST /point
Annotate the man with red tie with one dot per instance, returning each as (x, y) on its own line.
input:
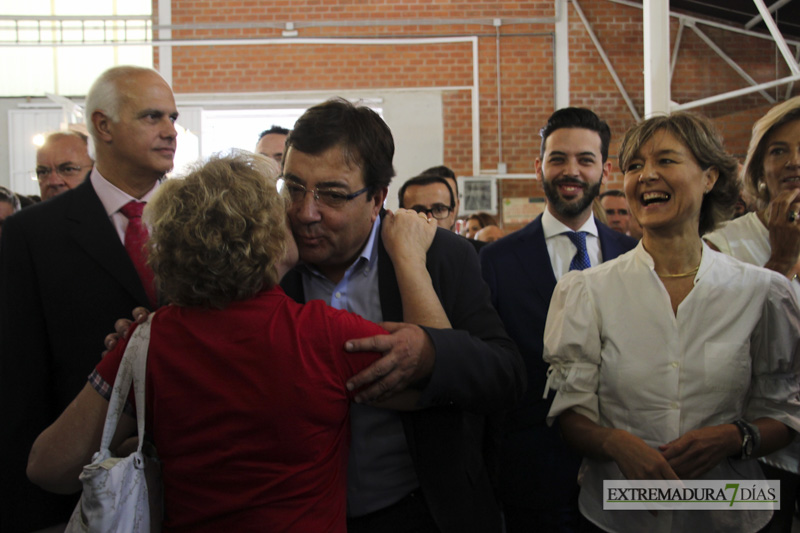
(69, 267)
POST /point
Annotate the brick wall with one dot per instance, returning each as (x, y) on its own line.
(526, 66)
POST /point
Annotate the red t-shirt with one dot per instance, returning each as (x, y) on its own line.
(249, 412)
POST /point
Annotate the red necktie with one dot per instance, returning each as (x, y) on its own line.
(135, 238)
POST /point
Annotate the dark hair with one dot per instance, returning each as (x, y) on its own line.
(699, 136)
(7, 196)
(484, 219)
(425, 179)
(443, 171)
(274, 129)
(364, 137)
(577, 117)
(612, 192)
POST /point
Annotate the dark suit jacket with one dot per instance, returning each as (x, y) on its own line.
(477, 370)
(64, 279)
(520, 276)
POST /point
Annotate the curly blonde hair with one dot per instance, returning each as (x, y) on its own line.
(219, 233)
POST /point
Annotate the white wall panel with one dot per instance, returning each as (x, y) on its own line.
(23, 125)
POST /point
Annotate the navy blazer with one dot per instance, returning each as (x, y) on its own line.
(65, 277)
(537, 472)
(520, 276)
(477, 370)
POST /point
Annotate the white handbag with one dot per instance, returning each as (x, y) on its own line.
(122, 494)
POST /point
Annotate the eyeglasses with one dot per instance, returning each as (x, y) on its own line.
(621, 212)
(65, 170)
(437, 211)
(329, 197)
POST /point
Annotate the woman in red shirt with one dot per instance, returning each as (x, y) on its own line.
(246, 397)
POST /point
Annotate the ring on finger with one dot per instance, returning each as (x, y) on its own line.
(793, 215)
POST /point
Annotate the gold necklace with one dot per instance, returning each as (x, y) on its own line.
(685, 274)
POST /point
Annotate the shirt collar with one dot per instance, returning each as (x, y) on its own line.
(706, 258)
(368, 255)
(552, 226)
(111, 196)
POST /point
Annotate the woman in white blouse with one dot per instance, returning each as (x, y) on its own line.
(674, 361)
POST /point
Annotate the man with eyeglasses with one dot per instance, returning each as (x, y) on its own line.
(68, 268)
(431, 195)
(428, 470)
(62, 162)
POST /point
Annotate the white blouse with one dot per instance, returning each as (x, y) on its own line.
(747, 239)
(621, 357)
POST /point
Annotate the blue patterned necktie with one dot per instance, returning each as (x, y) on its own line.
(581, 259)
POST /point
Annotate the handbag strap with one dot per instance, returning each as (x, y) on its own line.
(131, 369)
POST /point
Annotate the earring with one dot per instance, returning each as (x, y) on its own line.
(762, 187)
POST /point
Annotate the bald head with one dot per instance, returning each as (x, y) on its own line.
(62, 163)
(131, 116)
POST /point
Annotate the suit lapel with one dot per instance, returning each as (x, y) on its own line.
(388, 291)
(88, 224)
(292, 285)
(610, 242)
(534, 258)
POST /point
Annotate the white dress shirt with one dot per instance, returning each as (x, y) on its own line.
(621, 357)
(113, 199)
(561, 249)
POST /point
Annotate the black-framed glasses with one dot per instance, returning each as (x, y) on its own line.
(437, 211)
(327, 196)
(65, 170)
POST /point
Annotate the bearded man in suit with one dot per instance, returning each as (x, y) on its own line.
(538, 475)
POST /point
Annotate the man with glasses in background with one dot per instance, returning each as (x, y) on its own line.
(431, 195)
(62, 162)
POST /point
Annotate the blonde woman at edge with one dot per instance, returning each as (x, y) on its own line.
(770, 237)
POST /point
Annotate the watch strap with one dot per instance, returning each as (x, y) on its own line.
(751, 438)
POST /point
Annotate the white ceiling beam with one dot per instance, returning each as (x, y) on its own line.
(780, 42)
(731, 63)
(655, 33)
(772, 9)
(606, 61)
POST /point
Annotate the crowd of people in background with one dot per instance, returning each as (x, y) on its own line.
(319, 363)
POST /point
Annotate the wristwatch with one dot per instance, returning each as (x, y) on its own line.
(751, 438)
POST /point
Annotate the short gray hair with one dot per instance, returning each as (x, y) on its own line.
(104, 94)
